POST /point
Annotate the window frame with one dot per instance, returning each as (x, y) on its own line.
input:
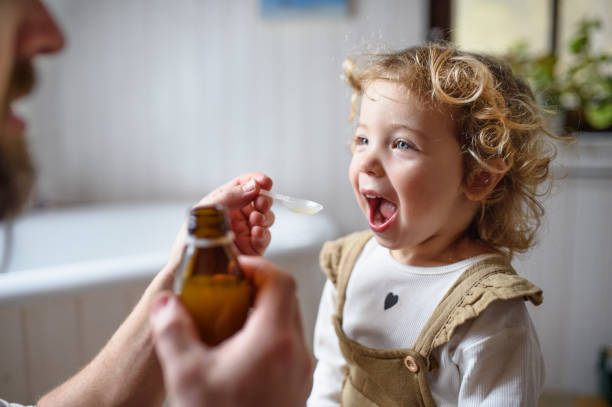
(440, 22)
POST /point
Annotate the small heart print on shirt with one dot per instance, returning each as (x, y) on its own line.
(391, 300)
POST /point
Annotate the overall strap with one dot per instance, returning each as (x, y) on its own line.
(337, 260)
(372, 377)
(482, 283)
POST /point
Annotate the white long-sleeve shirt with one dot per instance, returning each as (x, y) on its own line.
(494, 360)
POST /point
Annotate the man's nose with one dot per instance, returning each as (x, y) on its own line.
(39, 33)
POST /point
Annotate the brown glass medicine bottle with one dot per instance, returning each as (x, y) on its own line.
(209, 281)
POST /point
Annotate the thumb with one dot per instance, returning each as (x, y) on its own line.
(239, 195)
(233, 196)
(174, 332)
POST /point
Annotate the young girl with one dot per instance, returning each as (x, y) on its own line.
(424, 308)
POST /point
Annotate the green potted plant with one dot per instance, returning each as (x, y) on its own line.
(587, 88)
(580, 89)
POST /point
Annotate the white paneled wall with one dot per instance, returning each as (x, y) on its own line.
(166, 99)
(572, 263)
(45, 341)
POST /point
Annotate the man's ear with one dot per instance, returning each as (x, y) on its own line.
(481, 180)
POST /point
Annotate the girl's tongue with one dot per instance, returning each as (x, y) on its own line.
(381, 211)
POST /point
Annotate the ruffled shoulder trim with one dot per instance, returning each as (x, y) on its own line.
(342, 252)
(489, 280)
(494, 287)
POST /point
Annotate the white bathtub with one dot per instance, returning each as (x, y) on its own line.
(75, 273)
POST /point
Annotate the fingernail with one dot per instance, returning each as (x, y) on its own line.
(249, 186)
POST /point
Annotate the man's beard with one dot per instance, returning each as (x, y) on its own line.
(16, 169)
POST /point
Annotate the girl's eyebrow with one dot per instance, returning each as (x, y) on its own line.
(416, 132)
(396, 126)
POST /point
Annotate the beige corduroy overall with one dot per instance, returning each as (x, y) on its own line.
(398, 377)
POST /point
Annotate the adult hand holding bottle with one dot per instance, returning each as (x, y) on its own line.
(266, 363)
(249, 216)
(135, 378)
(249, 213)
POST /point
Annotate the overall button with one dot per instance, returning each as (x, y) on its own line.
(411, 364)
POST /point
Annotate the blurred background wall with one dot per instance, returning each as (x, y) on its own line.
(165, 100)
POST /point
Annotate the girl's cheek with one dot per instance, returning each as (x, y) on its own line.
(352, 172)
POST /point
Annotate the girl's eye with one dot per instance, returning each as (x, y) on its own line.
(359, 141)
(402, 145)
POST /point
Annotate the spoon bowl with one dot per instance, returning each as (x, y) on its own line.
(295, 205)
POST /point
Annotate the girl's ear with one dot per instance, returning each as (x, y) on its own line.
(481, 181)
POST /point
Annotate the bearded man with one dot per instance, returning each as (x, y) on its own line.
(26, 30)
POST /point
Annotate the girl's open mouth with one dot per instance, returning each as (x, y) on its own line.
(382, 213)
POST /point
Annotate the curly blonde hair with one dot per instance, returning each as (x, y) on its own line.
(496, 117)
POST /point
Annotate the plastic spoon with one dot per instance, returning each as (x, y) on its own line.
(294, 204)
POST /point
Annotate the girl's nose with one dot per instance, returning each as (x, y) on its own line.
(39, 33)
(370, 164)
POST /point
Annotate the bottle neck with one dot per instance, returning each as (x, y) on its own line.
(208, 222)
(202, 242)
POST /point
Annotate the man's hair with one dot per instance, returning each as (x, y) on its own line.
(496, 116)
